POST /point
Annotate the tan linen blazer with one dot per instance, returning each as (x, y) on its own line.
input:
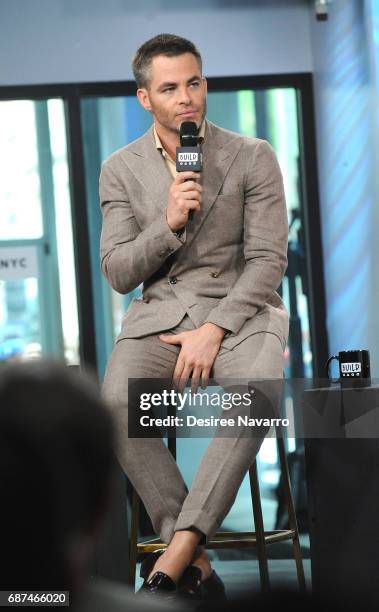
(230, 260)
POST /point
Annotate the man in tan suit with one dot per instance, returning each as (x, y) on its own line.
(209, 306)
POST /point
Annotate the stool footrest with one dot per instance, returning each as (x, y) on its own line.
(226, 539)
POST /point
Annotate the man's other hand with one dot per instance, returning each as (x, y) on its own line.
(198, 353)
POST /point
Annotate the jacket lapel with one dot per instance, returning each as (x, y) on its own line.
(153, 173)
(219, 151)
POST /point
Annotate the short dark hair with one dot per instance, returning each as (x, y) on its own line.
(162, 44)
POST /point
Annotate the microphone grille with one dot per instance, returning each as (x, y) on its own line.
(189, 128)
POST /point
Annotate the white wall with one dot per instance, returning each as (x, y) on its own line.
(61, 41)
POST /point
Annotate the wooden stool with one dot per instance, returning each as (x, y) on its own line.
(231, 539)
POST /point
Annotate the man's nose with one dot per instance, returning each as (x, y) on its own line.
(184, 97)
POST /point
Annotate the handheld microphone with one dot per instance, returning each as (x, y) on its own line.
(189, 155)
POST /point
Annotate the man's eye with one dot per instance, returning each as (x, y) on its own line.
(195, 84)
(168, 89)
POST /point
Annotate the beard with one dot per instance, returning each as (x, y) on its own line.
(169, 125)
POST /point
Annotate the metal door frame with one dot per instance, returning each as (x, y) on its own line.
(72, 95)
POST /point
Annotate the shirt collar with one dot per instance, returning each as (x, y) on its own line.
(200, 135)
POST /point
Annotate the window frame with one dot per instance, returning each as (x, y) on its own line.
(72, 93)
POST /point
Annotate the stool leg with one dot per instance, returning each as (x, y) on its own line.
(291, 511)
(259, 527)
(133, 540)
(171, 445)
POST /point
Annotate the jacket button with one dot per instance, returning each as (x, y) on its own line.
(173, 280)
(214, 274)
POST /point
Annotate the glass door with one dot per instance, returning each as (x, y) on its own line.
(38, 312)
(110, 123)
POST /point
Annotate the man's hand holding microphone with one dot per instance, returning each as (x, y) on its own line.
(184, 196)
(185, 192)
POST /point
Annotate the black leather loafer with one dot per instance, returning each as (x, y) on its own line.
(214, 588)
(192, 587)
(189, 584)
(148, 563)
(159, 585)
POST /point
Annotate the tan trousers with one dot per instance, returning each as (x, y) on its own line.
(147, 461)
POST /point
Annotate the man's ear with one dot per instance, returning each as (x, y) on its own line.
(205, 84)
(143, 97)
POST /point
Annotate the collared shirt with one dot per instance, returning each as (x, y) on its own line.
(171, 165)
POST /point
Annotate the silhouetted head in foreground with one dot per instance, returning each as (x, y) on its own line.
(56, 467)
